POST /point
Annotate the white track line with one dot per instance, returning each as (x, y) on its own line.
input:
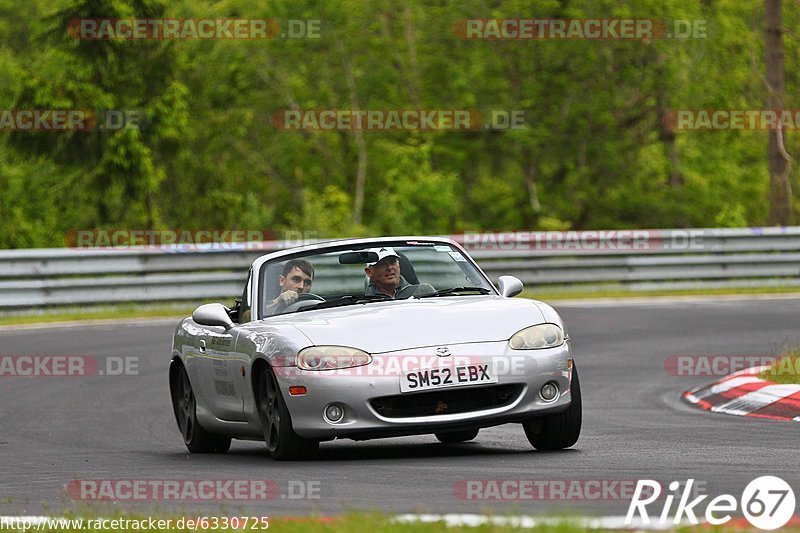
(476, 520)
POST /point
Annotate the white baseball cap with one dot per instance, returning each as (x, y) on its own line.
(386, 251)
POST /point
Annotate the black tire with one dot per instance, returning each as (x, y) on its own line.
(282, 442)
(559, 430)
(451, 437)
(184, 404)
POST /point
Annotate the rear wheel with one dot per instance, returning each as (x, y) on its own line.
(559, 430)
(450, 437)
(184, 403)
(282, 442)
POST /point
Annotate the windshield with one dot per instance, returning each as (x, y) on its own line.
(364, 274)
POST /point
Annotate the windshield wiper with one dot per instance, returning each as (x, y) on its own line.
(453, 290)
(347, 300)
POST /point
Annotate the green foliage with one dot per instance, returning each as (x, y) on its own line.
(594, 151)
(416, 198)
(328, 212)
(785, 370)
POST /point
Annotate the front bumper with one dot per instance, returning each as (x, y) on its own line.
(374, 405)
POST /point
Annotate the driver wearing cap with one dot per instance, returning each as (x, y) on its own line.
(384, 274)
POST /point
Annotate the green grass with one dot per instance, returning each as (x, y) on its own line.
(612, 292)
(100, 313)
(785, 370)
(350, 522)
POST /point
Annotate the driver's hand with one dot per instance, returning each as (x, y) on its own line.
(286, 298)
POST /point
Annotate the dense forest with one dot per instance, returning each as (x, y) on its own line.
(595, 149)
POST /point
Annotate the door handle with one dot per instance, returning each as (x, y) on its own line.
(202, 346)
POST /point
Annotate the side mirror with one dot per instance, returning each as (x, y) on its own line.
(509, 286)
(212, 315)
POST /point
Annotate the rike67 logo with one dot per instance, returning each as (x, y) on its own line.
(767, 503)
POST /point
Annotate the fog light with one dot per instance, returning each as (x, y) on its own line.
(549, 391)
(334, 413)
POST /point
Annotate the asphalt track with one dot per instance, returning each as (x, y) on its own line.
(56, 429)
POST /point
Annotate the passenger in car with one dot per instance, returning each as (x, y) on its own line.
(296, 278)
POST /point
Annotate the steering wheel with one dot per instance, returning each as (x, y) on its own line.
(302, 298)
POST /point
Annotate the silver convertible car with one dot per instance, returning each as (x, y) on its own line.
(372, 338)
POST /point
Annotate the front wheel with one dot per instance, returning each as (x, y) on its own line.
(559, 430)
(450, 437)
(184, 404)
(276, 423)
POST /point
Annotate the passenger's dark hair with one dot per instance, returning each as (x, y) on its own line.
(302, 264)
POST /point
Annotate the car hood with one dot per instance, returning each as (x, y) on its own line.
(379, 327)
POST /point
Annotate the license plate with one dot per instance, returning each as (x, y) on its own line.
(442, 377)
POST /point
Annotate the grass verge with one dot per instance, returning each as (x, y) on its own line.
(350, 522)
(785, 370)
(545, 294)
(100, 313)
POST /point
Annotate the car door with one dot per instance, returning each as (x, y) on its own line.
(220, 367)
(216, 365)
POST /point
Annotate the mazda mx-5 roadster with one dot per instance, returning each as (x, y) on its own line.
(372, 338)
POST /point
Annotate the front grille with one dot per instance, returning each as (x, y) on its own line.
(446, 402)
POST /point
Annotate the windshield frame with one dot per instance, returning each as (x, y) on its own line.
(261, 264)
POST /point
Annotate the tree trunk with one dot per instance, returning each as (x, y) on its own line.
(667, 131)
(530, 183)
(780, 190)
(413, 67)
(361, 145)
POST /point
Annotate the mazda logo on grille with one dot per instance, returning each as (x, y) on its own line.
(442, 351)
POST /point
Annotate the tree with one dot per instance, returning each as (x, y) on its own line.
(780, 163)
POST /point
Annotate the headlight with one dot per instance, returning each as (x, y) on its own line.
(331, 358)
(537, 337)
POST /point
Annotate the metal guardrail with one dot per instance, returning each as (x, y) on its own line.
(631, 260)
